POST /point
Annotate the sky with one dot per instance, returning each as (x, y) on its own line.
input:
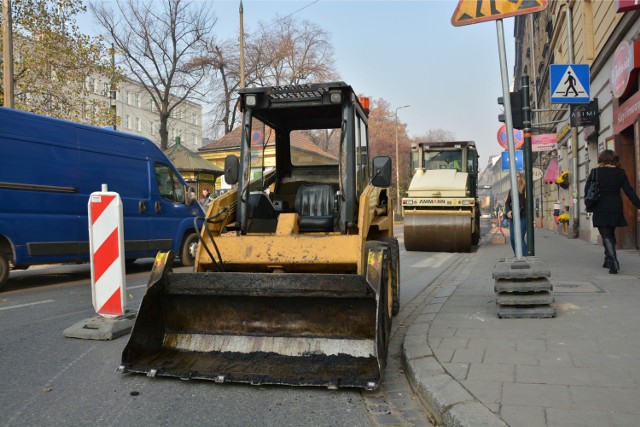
(407, 53)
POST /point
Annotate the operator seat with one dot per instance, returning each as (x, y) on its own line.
(315, 203)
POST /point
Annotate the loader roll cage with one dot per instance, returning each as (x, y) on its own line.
(286, 110)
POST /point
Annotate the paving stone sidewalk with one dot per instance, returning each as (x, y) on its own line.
(581, 368)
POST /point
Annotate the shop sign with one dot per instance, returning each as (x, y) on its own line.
(565, 130)
(536, 174)
(625, 60)
(585, 114)
(624, 115)
(627, 5)
(543, 142)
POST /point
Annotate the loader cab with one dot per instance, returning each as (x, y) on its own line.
(304, 149)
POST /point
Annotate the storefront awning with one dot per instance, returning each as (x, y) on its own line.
(552, 172)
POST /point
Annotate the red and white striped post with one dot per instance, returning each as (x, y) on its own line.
(106, 243)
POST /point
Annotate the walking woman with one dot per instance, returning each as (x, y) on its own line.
(607, 214)
(523, 215)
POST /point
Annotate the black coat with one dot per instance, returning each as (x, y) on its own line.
(608, 211)
(521, 200)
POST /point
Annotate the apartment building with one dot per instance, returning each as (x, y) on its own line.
(605, 35)
(138, 114)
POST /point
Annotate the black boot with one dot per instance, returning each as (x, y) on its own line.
(610, 251)
(606, 262)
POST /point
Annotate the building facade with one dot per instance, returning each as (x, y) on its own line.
(605, 35)
(138, 114)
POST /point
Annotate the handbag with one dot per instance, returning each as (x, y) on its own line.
(593, 193)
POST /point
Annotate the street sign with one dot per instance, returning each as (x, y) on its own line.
(569, 83)
(519, 160)
(473, 11)
(518, 137)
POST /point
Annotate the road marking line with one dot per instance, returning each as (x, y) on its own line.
(136, 287)
(26, 305)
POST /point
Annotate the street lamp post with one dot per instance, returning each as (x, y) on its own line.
(398, 203)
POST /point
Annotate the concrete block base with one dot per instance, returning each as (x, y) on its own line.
(524, 298)
(525, 312)
(102, 328)
(523, 289)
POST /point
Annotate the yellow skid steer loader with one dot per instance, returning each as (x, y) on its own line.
(297, 271)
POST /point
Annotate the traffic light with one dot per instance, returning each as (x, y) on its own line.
(516, 110)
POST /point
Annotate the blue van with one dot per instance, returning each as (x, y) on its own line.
(48, 169)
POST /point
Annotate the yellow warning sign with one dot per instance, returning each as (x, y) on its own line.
(474, 11)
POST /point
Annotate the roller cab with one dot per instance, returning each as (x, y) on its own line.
(297, 271)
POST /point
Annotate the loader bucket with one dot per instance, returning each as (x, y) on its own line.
(261, 328)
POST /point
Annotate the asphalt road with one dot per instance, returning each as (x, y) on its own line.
(48, 379)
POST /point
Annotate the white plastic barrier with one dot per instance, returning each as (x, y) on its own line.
(106, 242)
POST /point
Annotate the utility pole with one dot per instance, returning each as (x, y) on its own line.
(7, 54)
(241, 47)
(112, 91)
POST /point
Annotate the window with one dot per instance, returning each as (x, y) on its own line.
(138, 125)
(152, 127)
(137, 99)
(127, 121)
(169, 185)
(362, 154)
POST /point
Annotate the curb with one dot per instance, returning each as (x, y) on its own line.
(447, 400)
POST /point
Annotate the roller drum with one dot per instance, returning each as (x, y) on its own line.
(437, 231)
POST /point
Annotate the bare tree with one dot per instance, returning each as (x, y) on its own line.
(160, 43)
(290, 52)
(225, 61)
(436, 135)
(286, 51)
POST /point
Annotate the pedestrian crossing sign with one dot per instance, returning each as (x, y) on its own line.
(569, 83)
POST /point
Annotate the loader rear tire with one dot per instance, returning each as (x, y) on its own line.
(394, 250)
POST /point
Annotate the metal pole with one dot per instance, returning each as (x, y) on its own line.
(112, 92)
(515, 202)
(528, 161)
(574, 133)
(241, 46)
(7, 54)
(398, 202)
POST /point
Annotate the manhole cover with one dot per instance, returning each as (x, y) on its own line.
(575, 287)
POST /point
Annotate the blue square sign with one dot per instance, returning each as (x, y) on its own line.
(505, 160)
(569, 83)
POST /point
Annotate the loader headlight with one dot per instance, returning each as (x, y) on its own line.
(251, 100)
(335, 97)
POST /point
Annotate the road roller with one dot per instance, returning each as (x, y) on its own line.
(441, 210)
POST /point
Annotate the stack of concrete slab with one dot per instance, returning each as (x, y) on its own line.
(523, 289)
